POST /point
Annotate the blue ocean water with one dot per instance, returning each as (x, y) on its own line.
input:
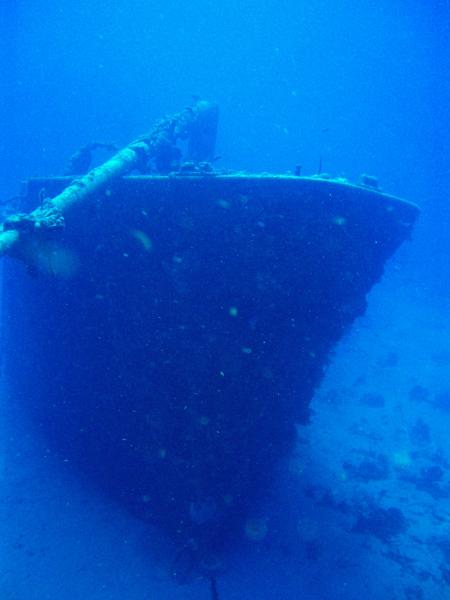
(361, 505)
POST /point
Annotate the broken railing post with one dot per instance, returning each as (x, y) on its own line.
(50, 216)
(197, 124)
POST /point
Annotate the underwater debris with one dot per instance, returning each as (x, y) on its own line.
(81, 160)
(369, 181)
(197, 124)
(189, 167)
(375, 469)
(382, 523)
(429, 480)
(325, 497)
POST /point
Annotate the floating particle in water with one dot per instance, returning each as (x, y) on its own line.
(256, 529)
(143, 239)
(56, 260)
(223, 204)
(233, 311)
(401, 459)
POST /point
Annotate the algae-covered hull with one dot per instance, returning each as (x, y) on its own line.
(170, 339)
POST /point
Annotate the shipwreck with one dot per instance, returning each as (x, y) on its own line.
(166, 324)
